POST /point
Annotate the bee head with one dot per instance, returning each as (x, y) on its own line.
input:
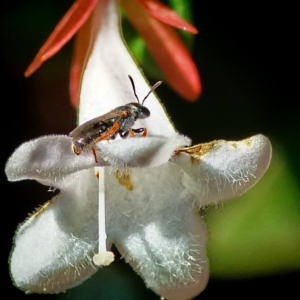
(139, 111)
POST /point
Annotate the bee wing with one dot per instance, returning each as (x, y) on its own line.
(113, 114)
(87, 127)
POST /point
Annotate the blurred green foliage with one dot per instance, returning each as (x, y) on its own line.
(258, 233)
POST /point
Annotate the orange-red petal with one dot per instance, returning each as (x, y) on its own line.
(63, 32)
(166, 15)
(168, 51)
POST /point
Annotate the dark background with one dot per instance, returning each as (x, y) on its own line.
(247, 57)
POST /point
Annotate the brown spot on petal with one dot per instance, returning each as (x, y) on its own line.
(124, 180)
(196, 152)
(248, 142)
(41, 209)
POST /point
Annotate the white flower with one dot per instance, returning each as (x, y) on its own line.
(152, 188)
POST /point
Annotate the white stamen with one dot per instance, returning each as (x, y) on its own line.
(101, 211)
(103, 257)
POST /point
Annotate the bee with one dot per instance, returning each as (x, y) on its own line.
(106, 127)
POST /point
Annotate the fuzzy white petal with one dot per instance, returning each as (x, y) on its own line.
(141, 152)
(105, 83)
(223, 170)
(49, 160)
(54, 247)
(149, 216)
(154, 224)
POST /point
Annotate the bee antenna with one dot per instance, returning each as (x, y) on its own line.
(133, 87)
(157, 84)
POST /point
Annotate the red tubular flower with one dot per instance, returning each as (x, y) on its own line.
(152, 20)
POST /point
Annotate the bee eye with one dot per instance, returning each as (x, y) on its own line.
(144, 112)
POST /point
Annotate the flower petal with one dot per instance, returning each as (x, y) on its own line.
(105, 82)
(49, 160)
(63, 32)
(54, 247)
(221, 170)
(155, 226)
(168, 51)
(141, 152)
(150, 218)
(166, 15)
(174, 263)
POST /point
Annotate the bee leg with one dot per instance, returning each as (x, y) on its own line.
(113, 136)
(111, 132)
(76, 150)
(124, 134)
(94, 153)
(140, 130)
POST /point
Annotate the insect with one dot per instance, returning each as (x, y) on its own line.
(106, 127)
